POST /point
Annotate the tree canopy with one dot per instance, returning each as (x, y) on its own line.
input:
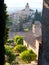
(37, 16)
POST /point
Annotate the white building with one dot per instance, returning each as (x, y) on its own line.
(26, 11)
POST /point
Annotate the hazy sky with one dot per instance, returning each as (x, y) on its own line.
(20, 4)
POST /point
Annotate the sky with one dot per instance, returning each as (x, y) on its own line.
(20, 4)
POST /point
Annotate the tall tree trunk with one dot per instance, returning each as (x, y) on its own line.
(2, 27)
(44, 48)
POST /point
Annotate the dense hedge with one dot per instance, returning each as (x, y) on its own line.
(18, 39)
(20, 48)
(28, 56)
(9, 53)
(10, 41)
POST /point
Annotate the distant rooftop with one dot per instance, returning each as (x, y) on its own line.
(27, 7)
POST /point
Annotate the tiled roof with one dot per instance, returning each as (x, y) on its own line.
(28, 37)
(24, 10)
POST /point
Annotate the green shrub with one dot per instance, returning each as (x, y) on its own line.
(9, 53)
(6, 63)
(10, 41)
(20, 48)
(6, 34)
(15, 63)
(28, 56)
(18, 39)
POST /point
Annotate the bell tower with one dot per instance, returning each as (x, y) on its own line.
(27, 7)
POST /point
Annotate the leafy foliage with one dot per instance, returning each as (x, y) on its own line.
(37, 16)
(4, 23)
(8, 23)
(9, 53)
(18, 39)
(20, 48)
(28, 56)
(6, 34)
(10, 40)
(6, 63)
(5, 12)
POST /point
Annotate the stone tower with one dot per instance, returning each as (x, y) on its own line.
(27, 7)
